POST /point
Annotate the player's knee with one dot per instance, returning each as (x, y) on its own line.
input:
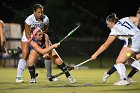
(120, 61)
(24, 56)
(30, 63)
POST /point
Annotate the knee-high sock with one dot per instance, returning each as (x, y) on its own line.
(136, 65)
(112, 70)
(133, 71)
(121, 70)
(21, 67)
(32, 71)
(64, 68)
(48, 65)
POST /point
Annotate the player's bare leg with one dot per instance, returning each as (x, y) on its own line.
(31, 67)
(62, 66)
(22, 62)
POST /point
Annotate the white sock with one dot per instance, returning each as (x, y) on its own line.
(121, 70)
(48, 66)
(21, 67)
(136, 65)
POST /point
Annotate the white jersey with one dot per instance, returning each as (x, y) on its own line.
(124, 27)
(125, 30)
(31, 20)
(33, 23)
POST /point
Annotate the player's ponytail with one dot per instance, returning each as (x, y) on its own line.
(138, 11)
(112, 18)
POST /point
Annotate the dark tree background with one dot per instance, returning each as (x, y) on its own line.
(63, 14)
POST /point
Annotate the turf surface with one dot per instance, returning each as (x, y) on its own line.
(88, 81)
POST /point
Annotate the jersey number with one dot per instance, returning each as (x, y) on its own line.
(127, 25)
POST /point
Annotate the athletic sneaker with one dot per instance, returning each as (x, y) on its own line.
(71, 79)
(122, 83)
(52, 79)
(105, 77)
(130, 80)
(55, 79)
(19, 80)
(33, 80)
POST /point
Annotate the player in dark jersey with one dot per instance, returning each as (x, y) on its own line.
(40, 46)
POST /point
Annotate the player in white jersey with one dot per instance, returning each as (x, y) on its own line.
(2, 38)
(123, 29)
(38, 19)
(136, 22)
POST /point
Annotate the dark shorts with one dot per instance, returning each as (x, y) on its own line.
(128, 42)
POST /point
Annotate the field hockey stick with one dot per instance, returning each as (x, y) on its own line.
(56, 52)
(61, 73)
(134, 58)
(72, 31)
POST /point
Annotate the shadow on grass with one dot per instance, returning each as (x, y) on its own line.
(27, 85)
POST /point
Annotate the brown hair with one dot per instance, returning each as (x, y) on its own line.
(36, 6)
(112, 17)
(138, 11)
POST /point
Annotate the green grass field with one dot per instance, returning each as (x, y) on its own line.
(91, 77)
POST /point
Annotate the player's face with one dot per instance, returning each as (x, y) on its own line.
(38, 12)
(39, 36)
(109, 24)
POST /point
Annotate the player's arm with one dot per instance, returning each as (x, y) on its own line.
(2, 37)
(45, 50)
(46, 26)
(27, 31)
(103, 47)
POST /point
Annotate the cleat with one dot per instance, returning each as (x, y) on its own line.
(19, 80)
(105, 77)
(71, 79)
(52, 78)
(130, 80)
(55, 79)
(36, 74)
(33, 80)
(122, 83)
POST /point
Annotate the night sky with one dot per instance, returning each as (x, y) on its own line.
(95, 10)
(99, 7)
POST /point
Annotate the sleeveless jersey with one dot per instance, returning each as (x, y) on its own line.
(31, 20)
(33, 23)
